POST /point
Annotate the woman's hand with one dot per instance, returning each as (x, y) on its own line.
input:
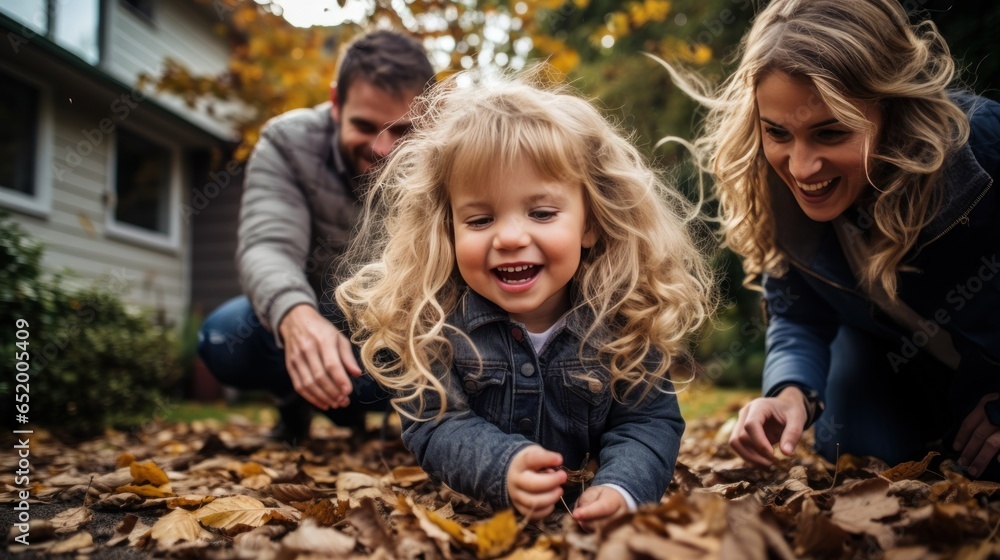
(534, 481)
(769, 420)
(978, 438)
(598, 505)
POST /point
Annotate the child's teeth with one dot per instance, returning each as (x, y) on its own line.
(813, 187)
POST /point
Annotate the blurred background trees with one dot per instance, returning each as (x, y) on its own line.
(597, 44)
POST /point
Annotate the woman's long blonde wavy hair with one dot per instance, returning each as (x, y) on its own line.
(851, 50)
(645, 280)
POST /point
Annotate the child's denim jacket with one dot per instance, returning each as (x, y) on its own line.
(518, 397)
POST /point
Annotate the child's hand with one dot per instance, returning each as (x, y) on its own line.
(534, 481)
(598, 505)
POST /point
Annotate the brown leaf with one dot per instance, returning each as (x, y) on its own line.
(122, 501)
(910, 469)
(180, 525)
(76, 543)
(148, 473)
(309, 538)
(70, 520)
(289, 493)
(355, 486)
(233, 511)
(406, 476)
(325, 512)
(189, 501)
(254, 543)
(130, 530)
(858, 507)
(372, 531)
(816, 535)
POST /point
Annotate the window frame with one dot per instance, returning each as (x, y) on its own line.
(39, 203)
(122, 231)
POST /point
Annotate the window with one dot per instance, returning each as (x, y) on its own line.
(24, 145)
(145, 181)
(72, 25)
(142, 7)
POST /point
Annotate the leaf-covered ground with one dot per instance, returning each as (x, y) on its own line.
(214, 490)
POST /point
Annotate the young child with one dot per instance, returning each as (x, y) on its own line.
(531, 283)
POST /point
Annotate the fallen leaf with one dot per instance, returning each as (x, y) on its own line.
(148, 473)
(146, 490)
(496, 535)
(858, 507)
(76, 543)
(406, 476)
(180, 525)
(909, 470)
(372, 531)
(816, 535)
(233, 511)
(131, 529)
(70, 520)
(309, 538)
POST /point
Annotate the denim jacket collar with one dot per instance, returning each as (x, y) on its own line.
(474, 311)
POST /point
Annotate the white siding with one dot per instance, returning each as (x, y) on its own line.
(183, 31)
(75, 231)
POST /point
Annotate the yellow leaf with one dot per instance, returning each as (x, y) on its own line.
(497, 535)
(75, 543)
(68, 521)
(148, 472)
(454, 529)
(124, 460)
(146, 490)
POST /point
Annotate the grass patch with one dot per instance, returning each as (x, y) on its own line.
(696, 402)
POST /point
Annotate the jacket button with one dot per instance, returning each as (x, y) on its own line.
(525, 425)
(470, 386)
(527, 369)
(517, 333)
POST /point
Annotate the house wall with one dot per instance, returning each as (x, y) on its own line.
(183, 31)
(78, 158)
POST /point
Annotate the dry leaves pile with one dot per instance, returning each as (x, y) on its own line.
(224, 492)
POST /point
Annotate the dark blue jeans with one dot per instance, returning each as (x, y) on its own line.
(896, 414)
(241, 353)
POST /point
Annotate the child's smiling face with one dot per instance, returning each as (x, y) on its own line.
(518, 242)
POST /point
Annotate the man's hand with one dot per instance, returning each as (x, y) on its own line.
(598, 505)
(318, 357)
(769, 420)
(978, 439)
(534, 481)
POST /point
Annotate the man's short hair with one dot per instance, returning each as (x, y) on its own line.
(388, 60)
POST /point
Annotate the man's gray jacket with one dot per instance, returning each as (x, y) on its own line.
(298, 210)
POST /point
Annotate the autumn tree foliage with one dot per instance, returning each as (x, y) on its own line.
(275, 67)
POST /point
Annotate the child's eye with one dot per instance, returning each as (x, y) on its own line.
(776, 134)
(479, 223)
(542, 215)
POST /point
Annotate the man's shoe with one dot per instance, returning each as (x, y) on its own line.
(294, 419)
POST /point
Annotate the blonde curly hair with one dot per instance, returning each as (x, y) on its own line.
(851, 50)
(645, 279)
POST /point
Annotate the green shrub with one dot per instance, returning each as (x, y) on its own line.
(94, 362)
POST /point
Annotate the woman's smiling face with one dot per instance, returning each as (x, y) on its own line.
(821, 159)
